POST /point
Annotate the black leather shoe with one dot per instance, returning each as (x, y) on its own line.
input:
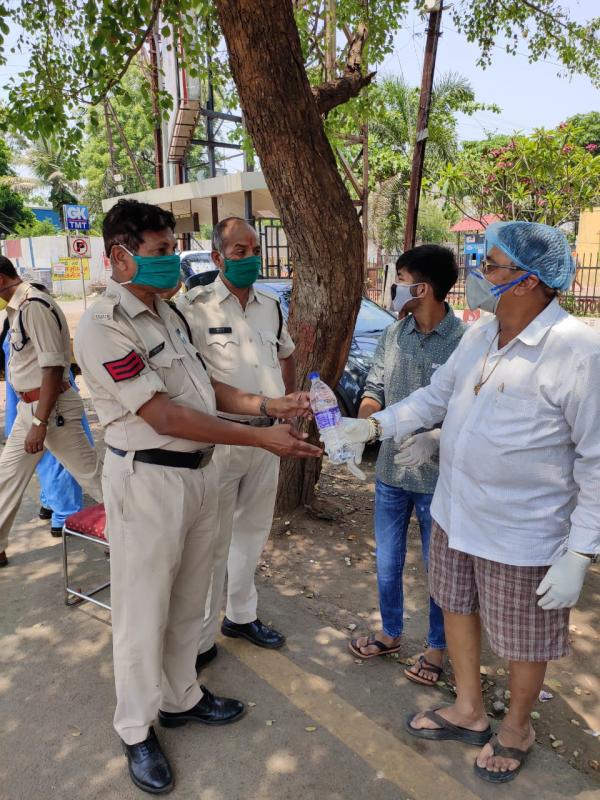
(56, 532)
(202, 659)
(254, 632)
(210, 710)
(148, 765)
(45, 513)
(3, 559)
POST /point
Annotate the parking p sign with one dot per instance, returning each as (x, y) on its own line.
(77, 218)
(79, 246)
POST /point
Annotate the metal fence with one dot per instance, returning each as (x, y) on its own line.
(375, 281)
(274, 249)
(583, 299)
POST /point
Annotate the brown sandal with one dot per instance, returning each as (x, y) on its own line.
(429, 667)
(383, 648)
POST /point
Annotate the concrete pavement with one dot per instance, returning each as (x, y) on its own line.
(56, 698)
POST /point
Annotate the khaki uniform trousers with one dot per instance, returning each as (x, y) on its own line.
(68, 444)
(248, 479)
(161, 524)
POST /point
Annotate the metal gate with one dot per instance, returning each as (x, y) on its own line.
(274, 249)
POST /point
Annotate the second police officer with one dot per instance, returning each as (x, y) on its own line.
(238, 328)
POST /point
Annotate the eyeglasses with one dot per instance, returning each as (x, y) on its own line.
(488, 266)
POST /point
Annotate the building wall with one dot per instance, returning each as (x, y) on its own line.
(588, 237)
(39, 254)
(46, 214)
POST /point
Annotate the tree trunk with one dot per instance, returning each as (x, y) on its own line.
(320, 221)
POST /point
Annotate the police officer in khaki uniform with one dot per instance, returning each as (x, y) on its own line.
(238, 328)
(158, 407)
(50, 412)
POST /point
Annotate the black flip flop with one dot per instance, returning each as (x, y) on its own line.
(428, 667)
(503, 752)
(447, 731)
(383, 648)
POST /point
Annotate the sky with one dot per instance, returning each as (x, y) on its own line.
(530, 95)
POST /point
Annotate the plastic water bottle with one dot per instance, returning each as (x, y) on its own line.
(328, 418)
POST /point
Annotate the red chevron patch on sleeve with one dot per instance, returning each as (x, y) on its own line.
(124, 368)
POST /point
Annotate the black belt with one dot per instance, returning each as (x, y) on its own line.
(257, 422)
(169, 458)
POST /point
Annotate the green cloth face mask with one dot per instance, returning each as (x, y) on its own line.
(242, 272)
(159, 272)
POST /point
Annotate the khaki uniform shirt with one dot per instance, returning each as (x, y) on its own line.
(238, 345)
(47, 343)
(127, 354)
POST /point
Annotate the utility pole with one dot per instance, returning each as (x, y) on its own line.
(109, 139)
(110, 108)
(210, 137)
(158, 140)
(416, 175)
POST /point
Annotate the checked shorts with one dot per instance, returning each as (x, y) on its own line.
(504, 595)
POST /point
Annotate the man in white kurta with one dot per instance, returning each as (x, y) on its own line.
(517, 518)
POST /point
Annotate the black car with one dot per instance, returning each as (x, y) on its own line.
(372, 320)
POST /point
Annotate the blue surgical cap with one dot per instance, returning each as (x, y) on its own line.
(536, 248)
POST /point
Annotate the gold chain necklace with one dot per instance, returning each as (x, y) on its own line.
(482, 381)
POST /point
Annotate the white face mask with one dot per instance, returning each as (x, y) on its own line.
(403, 295)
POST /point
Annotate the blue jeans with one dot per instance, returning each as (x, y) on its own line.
(59, 490)
(393, 508)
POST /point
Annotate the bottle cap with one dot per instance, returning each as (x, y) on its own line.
(313, 376)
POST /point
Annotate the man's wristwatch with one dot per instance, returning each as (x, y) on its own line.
(39, 422)
(263, 407)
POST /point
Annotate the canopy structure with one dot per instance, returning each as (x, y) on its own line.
(207, 201)
(472, 225)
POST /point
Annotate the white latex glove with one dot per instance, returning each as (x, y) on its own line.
(561, 586)
(418, 448)
(355, 431)
(353, 469)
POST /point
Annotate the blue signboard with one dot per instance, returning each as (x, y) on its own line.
(46, 214)
(475, 243)
(77, 218)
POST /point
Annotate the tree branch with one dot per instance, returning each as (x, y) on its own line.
(132, 54)
(539, 10)
(329, 95)
(542, 12)
(355, 50)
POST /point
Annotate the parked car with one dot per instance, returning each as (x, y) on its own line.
(372, 320)
(196, 267)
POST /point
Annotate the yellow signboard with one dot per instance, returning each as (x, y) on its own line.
(69, 269)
